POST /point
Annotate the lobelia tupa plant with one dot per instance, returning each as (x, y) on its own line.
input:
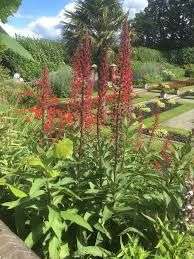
(82, 87)
(69, 201)
(102, 90)
(124, 89)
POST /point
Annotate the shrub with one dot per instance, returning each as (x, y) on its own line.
(168, 75)
(61, 80)
(147, 72)
(189, 71)
(4, 74)
(181, 56)
(145, 55)
(13, 93)
(45, 53)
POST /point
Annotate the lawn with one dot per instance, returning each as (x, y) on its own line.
(167, 115)
(144, 98)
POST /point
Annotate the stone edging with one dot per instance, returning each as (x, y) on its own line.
(11, 247)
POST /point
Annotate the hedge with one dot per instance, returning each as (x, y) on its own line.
(45, 53)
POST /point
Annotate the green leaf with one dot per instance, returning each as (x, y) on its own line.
(102, 229)
(133, 230)
(70, 193)
(11, 204)
(75, 218)
(11, 43)
(55, 222)
(107, 214)
(35, 188)
(64, 251)
(18, 193)
(54, 245)
(36, 234)
(53, 173)
(94, 251)
(64, 149)
(2, 181)
(35, 162)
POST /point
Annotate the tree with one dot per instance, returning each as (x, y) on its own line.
(166, 24)
(100, 18)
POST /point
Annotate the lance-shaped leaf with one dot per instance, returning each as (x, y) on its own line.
(12, 44)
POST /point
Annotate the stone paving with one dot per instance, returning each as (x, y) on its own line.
(182, 121)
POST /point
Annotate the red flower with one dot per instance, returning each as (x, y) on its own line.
(125, 69)
(102, 86)
(82, 87)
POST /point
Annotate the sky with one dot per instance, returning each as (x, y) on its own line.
(41, 18)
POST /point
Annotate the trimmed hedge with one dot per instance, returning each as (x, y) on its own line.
(143, 54)
(175, 56)
(45, 53)
(181, 56)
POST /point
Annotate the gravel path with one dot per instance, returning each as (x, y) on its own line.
(182, 121)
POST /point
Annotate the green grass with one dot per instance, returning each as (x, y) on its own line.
(167, 115)
(144, 98)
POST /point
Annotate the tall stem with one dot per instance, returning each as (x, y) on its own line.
(117, 124)
(81, 123)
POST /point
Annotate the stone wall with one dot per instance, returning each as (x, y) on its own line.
(11, 247)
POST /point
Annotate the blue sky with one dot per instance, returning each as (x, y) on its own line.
(41, 18)
(36, 8)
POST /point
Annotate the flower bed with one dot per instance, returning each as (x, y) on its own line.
(189, 93)
(157, 106)
(172, 87)
(173, 135)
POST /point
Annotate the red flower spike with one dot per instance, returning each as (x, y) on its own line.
(103, 83)
(125, 69)
(82, 86)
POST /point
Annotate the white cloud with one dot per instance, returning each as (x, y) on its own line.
(12, 31)
(24, 16)
(42, 27)
(50, 26)
(134, 6)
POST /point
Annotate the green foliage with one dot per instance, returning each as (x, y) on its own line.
(101, 18)
(154, 72)
(4, 74)
(173, 243)
(61, 80)
(189, 72)
(163, 18)
(44, 52)
(181, 56)
(64, 207)
(12, 93)
(144, 55)
(12, 44)
(7, 8)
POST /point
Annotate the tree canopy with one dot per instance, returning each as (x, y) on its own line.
(166, 24)
(100, 18)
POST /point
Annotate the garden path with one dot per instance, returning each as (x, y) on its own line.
(182, 121)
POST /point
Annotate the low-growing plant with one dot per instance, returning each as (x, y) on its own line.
(61, 81)
(4, 74)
